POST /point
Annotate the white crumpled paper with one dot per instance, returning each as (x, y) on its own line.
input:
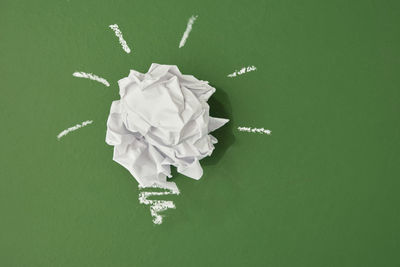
(162, 119)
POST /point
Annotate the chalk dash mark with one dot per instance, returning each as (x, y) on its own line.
(188, 30)
(121, 39)
(242, 71)
(91, 76)
(255, 130)
(73, 128)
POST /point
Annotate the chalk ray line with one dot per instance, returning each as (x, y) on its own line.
(74, 128)
(255, 130)
(91, 76)
(121, 39)
(242, 71)
(157, 206)
(188, 30)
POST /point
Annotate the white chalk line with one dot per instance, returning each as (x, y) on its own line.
(188, 30)
(255, 130)
(91, 76)
(73, 128)
(157, 206)
(242, 71)
(121, 39)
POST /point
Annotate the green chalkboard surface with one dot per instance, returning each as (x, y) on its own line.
(321, 190)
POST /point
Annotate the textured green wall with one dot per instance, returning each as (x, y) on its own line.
(322, 190)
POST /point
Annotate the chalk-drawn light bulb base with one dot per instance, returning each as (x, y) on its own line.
(157, 206)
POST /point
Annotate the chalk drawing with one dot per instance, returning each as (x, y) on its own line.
(242, 71)
(157, 206)
(187, 31)
(91, 76)
(254, 130)
(73, 128)
(118, 33)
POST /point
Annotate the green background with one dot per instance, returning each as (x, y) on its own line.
(322, 190)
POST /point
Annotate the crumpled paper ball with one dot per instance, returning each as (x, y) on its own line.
(162, 119)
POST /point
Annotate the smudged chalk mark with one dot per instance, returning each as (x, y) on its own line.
(242, 71)
(118, 33)
(188, 30)
(254, 130)
(157, 206)
(73, 128)
(91, 76)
